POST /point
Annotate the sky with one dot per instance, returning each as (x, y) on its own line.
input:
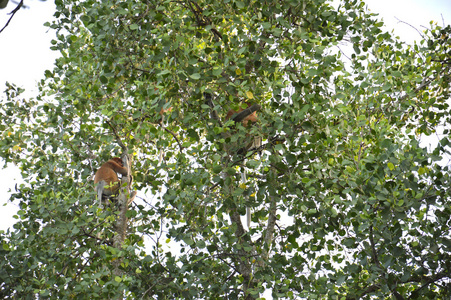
(25, 54)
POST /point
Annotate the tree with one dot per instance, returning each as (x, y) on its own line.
(345, 202)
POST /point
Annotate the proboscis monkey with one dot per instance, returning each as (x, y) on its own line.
(254, 143)
(163, 110)
(106, 180)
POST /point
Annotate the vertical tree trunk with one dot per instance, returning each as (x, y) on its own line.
(124, 199)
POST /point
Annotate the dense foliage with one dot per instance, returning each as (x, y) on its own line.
(345, 202)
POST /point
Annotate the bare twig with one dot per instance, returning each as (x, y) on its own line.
(118, 138)
(175, 137)
(12, 14)
(213, 113)
(404, 22)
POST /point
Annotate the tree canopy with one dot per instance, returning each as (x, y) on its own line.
(345, 203)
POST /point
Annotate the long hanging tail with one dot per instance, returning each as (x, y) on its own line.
(248, 216)
(248, 209)
(99, 189)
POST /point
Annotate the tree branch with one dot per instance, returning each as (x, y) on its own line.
(118, 138)
(12, 14)
(270, 227)
(213, 113)
(124, 199)
(175, 137)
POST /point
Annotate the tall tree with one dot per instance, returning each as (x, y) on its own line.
(344, 201)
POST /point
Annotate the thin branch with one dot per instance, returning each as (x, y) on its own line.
(118, 138)
(419, 32)
(426, 81)
(270, 227)
(376, 261)
(175, 137)
(201, 21)
(213, 113)
(12, 14)
(429, 280)
(373, 248)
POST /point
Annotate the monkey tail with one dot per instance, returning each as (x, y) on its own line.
(99, 189)
(248, 217)
(248, 209)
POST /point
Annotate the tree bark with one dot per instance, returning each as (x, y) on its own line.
(124, 199)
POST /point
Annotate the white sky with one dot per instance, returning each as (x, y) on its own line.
(25, 54)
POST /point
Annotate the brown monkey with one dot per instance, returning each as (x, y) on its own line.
(106, 178)
(163, 110)
(162, 113)
(254, 142)
(252, 118)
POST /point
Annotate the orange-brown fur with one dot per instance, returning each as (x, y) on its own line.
(106, 180)
(254, 142)
(252, 118)
(163, 110)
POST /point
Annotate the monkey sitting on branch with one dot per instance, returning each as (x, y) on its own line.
(247, 116)
(106, 179)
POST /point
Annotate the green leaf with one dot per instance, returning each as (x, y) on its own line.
(217, 71)
(195, 76)
(240, 4)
